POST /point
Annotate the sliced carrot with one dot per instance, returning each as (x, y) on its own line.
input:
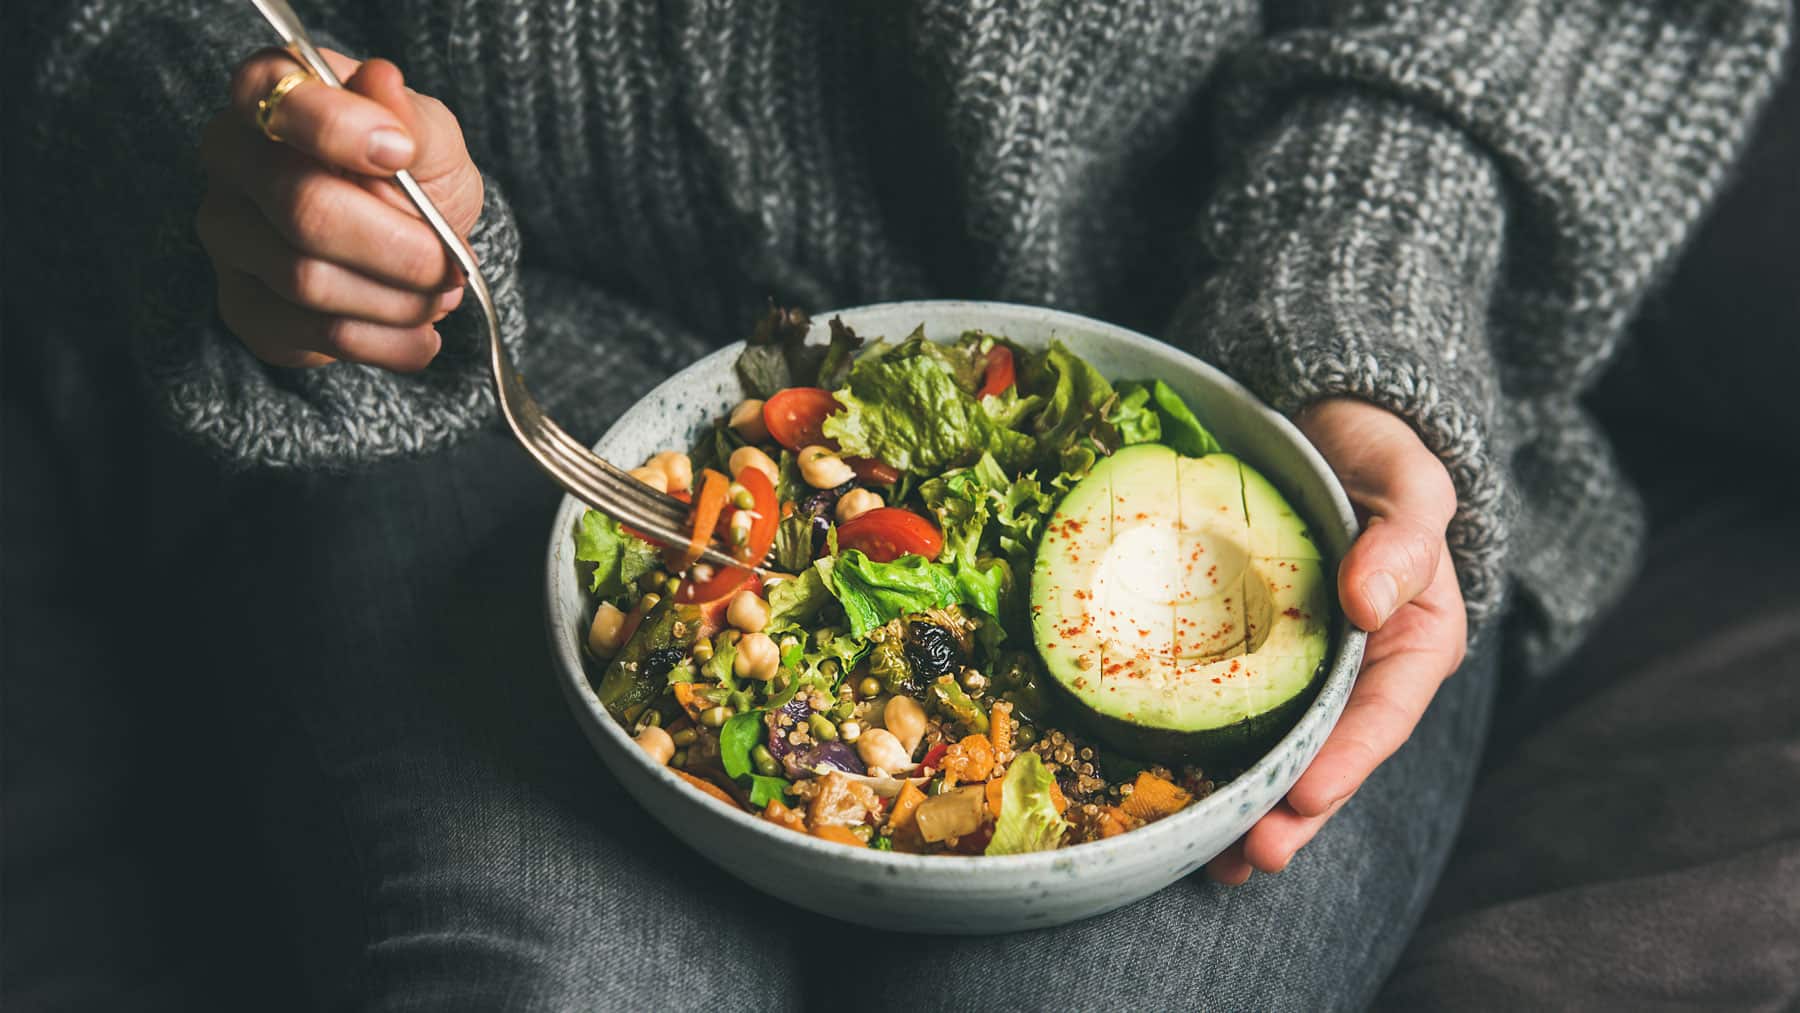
(837, 835)
(995, 795)
(706, 786)
(1000, 727)
(707, 507)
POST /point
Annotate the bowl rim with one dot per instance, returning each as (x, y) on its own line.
(1343, 664)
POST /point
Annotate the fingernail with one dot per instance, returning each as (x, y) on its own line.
(390, 149)
(1383, 592)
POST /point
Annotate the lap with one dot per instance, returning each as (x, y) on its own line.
(397, 618)
(1321, 935)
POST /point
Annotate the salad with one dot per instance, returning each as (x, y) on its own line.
(1007, 604)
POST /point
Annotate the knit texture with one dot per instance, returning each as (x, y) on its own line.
(1449, 209)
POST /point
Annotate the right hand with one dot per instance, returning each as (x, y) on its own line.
(319, 255)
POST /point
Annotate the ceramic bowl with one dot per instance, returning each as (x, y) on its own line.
(946, 893)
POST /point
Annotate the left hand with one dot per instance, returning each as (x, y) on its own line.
(1397, 582)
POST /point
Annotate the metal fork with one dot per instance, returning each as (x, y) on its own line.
(588, 477)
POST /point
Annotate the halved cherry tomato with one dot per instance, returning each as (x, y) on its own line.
(764, 517)
(701, 520)
(935, 755)
(713, 595)
(795, 416)
(1000, 373)
(887, 533)
(872, 471)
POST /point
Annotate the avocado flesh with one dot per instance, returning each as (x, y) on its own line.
(1161, 606)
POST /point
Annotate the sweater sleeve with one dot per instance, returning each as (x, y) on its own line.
(113, 120)
(1451, 210)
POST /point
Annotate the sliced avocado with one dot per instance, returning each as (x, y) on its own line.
(1181, 602)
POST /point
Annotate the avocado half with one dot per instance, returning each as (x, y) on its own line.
(1182, 604)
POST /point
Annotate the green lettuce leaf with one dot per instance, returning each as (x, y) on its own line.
(798, 601)
(793, 542)
(1028, 818)
(764, 790)
(874, 593)
(1181, 431)
(736, 739)
(907, 405)
(1133, 417)
(619, 559)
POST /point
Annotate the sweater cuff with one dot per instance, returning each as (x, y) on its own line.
(1353, 254)
(345, 415)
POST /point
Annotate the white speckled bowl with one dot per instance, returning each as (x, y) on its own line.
(957, 894)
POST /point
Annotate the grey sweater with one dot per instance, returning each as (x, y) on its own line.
(1448, 207)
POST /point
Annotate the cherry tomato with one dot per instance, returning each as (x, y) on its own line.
(765, 516)
(872, 471)
(795, 416)
(713, 595)
(935, 755)
(999, 375)
(887, 533)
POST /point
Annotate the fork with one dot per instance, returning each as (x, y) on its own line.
(587, 476)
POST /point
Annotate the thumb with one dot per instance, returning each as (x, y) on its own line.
(382, 81)
(1402, 543)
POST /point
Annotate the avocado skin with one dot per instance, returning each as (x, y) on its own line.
(1214, 749)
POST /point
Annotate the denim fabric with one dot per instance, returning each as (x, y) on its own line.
(454, 844)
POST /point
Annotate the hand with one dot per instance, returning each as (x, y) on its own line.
(319, 255)
(1397, 582)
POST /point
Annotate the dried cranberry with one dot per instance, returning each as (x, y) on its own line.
(932, 650)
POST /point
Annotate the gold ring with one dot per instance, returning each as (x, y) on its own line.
(266, 106)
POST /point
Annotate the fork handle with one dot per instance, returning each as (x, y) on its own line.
(294, 35)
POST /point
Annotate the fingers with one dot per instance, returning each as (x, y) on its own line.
(328, 216)
(1402, 668)
(1394, 559)
(336, 126)
(1229, 866)
(283, 334)
(234, 232)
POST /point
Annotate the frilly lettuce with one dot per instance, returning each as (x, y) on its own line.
(619, 559)
(1028, 819)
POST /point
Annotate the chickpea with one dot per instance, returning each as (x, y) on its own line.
(879, 748)
(857, 502)
(850, 731)
(676, 468)
(747, 612)
(655, 478)
(823, 469)
(606, 632)
(656, 742)
(905, 720)
(757, 658)
(750, 457)
(747, 421)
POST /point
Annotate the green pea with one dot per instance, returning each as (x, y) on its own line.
(741, 497)
(679, 759)
(653, 719)
(822, 728)
(715, 717)
(870, 687)
(671, 585)
(685, 737)
(651, 581)
(703, 649)
(1024, 735)
(843, 710)
(765, 761)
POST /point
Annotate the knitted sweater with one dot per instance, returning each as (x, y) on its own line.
(1450, 209)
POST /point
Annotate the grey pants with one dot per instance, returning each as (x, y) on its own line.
(453, 843)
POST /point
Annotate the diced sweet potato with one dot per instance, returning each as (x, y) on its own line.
(906, 806)
(841, 802)
(1114, 821)
(1152, 798)
(972, 759)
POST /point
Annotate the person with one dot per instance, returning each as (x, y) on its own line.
(1422, 228)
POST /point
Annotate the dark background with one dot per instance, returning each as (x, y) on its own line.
(133, 872)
